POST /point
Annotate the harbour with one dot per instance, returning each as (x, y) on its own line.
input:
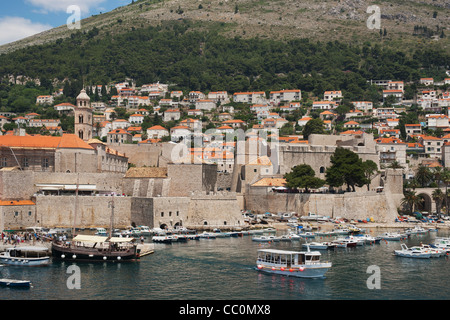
(224, 268)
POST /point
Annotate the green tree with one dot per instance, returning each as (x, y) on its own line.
(438, 196)
(313, 126)
(303, 176)
(423, 175)
(370, 169)
(411, 200)
(346, 167)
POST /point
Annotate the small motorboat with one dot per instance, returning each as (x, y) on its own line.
(25, 256)
(392, 236)
(12, 283)
(316, 245)
(307, 235)
(208, 235)
(413, 252)
(265, 239)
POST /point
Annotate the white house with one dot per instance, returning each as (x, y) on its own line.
(219, 96)
(435, 121)
(172, 115)
(365, 106)
(205, 104)
(332, 95)
(120, 124)
(303, 121)
(426, 81)
(136, 118)
(44, 100)
(285, 95)
(179, 132)
(397, 94)
(157, 132)
(323, 105)
(250, 97)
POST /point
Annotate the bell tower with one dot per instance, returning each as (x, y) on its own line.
(83, 117)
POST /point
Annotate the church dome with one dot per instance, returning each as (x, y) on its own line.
(83, 95)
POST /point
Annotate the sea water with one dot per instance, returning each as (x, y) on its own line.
(224, 269)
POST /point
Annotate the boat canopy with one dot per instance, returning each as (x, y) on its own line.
(88, 238)
(95, 239)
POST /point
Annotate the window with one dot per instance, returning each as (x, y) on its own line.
(162, 214)
(25, 163)
(3, 162)
(45, 163)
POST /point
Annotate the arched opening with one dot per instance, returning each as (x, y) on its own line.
(425, 203)
(163, 226)
(80, 134)
(322, 169)
(80, 118)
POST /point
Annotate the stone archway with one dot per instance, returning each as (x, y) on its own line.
(425, 204)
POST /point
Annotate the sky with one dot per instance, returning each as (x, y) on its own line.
(23, 18)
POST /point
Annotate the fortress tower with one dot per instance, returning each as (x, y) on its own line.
(83, 117)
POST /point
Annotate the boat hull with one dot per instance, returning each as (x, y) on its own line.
(25, 262)
(15, 283)
(93, 255)
(299, 272)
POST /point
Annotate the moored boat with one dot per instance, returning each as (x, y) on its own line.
(96, 248)
(317, 245)
(265, 239)
(304, 264)
(13, 283)
(25, 256)
(413, 252)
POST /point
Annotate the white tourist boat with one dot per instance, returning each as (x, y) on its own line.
(304, 264)
(344, 243)
(25, 256)
(413, 252)
(359, 240)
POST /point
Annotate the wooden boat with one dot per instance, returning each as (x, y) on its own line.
(15, 283)
(303, 264)
(96, 248)
(25, 256)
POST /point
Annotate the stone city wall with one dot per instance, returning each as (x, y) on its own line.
(382, 207)
(92, 211)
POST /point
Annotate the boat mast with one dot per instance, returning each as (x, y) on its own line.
(76, 205)
(111, 204)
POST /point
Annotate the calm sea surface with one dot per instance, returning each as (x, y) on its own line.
(224, 269)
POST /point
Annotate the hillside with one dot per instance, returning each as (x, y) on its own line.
(343, 20)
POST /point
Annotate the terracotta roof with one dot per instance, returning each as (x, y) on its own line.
(157, 127)
(16, 203)
(71, 141)
(270, 182)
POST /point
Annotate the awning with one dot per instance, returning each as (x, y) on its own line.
(119, 239)
(87, 238)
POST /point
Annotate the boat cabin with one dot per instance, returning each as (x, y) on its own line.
(283, 258)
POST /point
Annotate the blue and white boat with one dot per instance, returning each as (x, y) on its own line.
(303, 264)
(30, 256)
(13, 283)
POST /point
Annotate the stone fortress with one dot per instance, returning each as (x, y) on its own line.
(75, 180)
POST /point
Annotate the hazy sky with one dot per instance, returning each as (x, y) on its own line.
(22, 18)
